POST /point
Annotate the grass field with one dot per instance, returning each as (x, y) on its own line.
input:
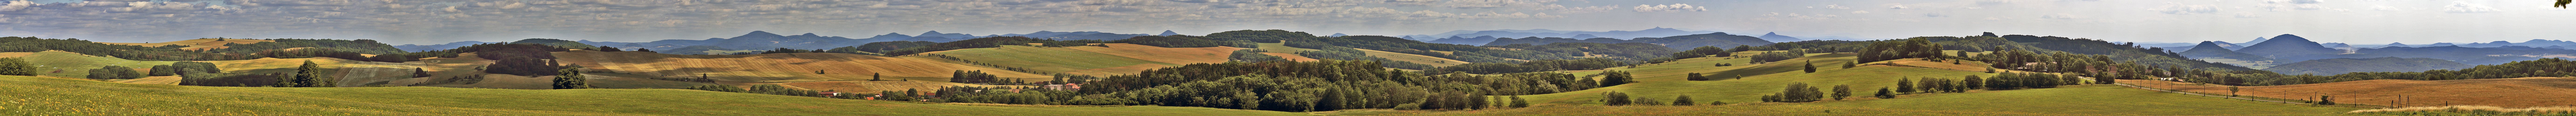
(1117, 59)
(1420, 59)
(2089, 100)
(2514, 92)
(789, 67)
(55, 96)
(196, 44)
(1669, 78)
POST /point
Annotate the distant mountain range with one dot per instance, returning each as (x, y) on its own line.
(2381, 64)
(763, 40)
(1545, 33)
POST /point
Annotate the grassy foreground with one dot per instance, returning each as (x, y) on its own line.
(2078, 100)
(55, 96)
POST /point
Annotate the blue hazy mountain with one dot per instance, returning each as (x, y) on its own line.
(2290, 47)
(449, 45)
(1776, 37)
(1545, 33)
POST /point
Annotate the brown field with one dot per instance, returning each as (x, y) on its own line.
(2514, 92)
(197, 44)
(1290, 57)
(1165, 55)
(875, 86)
(1117, 59)
(792, 67)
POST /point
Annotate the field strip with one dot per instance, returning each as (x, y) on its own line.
(2135, 86)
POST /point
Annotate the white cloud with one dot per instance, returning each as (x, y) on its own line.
(1860, 12)
(2179, 8)
(1837, 6)
(1669, 8)
(2247, 15)
(1934, 15)
(1897, 7)
(2385, 8)
(2466, 7)
(2057, 16)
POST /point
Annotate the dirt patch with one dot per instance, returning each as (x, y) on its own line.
(2514, 92)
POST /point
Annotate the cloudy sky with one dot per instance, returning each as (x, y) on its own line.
(440, 21)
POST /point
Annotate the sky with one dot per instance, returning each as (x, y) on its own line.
(442, 21)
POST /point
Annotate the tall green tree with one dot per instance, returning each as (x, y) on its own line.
(1811, 66)
(1884, 94)
(310, 75)
(1842, 91)
(1904, 85)
(570, 78)
(1683, 100)
(17, 66)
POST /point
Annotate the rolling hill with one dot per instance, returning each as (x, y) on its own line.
(2076, 100)
(55, 96)
(1667, 79)
(2381, 64)
(787, 67)
(1118, 58)
(2513, 92)
(197, 44)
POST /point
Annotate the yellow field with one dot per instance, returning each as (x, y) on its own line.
(197, 44)
(789, 67)
(2513, 92)
(1117, 59)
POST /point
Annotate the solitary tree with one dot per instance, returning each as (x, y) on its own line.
(570, 78)
(1904, 85)
(1684, 100)
(310, 75)
(2325, 100)
(1884, 94)
(1811, 66)
(876, 76)
(2231, 91)
(418, 72)
(1841, 91)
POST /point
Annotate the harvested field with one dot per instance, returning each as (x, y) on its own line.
(2514, 92)
(789, 67)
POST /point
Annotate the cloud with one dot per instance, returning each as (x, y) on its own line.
(2179, 8)
(1897, 7)
(2466, 7)
(1934, 15)
(426, 21)
(1860, 12)
(1669, 8)
(1837, 6)
(2057, 16)
(2247, 15)
(1795, 16)
(2385, 8)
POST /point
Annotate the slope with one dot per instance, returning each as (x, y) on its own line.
(788, 67)
(2077, 100)
(197, 44)
(2513, 92)
(2381, 64)
(54, 96)
(1666, 80)
(1118, 58)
